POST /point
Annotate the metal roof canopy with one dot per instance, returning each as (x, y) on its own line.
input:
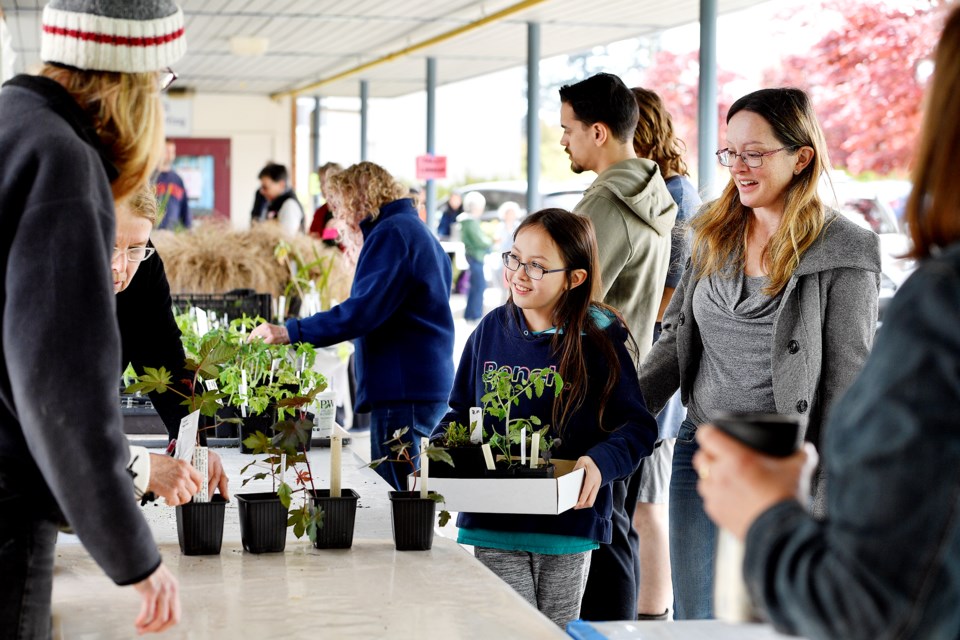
(330, 45)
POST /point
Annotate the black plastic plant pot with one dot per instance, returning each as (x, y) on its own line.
(413, 519)
(339, 516)
(200, 526)
(263, 522)
(262, 422)
(468, 462)
(515, 470)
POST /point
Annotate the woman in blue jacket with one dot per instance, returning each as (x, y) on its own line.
(886, 563)
(398, 312)
(553, 320)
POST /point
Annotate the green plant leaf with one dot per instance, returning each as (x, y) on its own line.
(444, 518)
(438, 454)
(284, 492)
(376, 463)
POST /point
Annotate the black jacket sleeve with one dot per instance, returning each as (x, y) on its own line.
(150, 337)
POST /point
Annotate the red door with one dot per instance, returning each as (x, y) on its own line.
(204, 166)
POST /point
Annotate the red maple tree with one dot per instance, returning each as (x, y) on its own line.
(866, 78)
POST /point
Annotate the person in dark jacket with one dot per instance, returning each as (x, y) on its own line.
(149, 335)
(398, 313)
(886, 563)
(67, 154)
(554, 320)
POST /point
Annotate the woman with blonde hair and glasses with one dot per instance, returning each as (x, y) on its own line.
(85, 131)
(886, 564)
(775, 311)
(398, 313)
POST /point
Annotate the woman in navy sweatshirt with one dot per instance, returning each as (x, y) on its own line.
(553, 320)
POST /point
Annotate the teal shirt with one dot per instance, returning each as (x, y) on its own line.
(544, 543)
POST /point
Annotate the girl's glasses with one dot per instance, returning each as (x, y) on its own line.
(532, 269)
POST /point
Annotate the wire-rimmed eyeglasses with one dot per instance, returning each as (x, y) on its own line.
(533, 270)
(752, 159)
(134, 254)
(167, 78)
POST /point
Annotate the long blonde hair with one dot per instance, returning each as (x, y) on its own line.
(933, 209)
(720, 232)
(127, 115)
(361, 189)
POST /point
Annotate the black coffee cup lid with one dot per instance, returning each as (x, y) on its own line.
(770, 433)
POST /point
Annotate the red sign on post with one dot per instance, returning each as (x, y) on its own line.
(431, 167)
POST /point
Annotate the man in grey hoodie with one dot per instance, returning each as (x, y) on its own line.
(633, 214)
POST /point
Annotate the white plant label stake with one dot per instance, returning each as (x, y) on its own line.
(488, 456)
(534, 450)
(273, 368)
(424, 467)
(242, 392)
(187, 439)
(523, 447)
(476, 425)
(281, 308)
(211, 385)
(203, 323)
(336, 445)
(200, 458)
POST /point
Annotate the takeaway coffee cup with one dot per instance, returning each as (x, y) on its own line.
(771, 434)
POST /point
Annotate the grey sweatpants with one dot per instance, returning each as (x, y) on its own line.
(554, 584)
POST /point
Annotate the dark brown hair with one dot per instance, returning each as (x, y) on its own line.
(933, 209)
(577, 243)
(654, 138)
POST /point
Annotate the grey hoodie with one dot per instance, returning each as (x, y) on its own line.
(633, 214)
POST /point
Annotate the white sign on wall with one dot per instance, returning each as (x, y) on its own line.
(179, 117)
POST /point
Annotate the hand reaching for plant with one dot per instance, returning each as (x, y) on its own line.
(173, 480)
(270, 333)
(218, 477)
(591, 482)
(159, 602)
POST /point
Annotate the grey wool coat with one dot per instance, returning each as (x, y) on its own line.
(822, 332)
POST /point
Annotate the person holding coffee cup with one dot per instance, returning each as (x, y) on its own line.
(886, 563)
(775, 312)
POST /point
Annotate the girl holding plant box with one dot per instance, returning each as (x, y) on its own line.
(553, 320)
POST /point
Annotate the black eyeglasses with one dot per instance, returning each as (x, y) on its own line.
(752, 159)
(134, 254)
(532, 269)
(167, 78)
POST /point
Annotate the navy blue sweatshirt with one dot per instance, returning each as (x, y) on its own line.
(502, 339)
(398, 311)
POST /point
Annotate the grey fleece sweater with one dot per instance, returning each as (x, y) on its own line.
(633, 214)
(61, 441)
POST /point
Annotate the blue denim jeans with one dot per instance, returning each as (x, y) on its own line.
(420, 417)
(693, 537)
(26, 566)
(478, 283)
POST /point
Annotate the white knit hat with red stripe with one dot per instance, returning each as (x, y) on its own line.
(129, 36)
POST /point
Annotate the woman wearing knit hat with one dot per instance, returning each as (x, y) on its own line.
(86, 130)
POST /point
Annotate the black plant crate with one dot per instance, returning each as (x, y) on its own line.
(234, 304)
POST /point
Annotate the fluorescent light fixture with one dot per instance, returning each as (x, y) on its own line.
(248, 45)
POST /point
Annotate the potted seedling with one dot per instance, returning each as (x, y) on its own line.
(414, 511)
(339, 505)
(265, 516)
(520, 435)
(463, 445)
(268, 384)
(199, 522)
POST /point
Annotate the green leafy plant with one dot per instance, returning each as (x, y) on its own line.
(458, 435)
(503, 393)
(401, 449)
(284, 451)
(306, 276)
